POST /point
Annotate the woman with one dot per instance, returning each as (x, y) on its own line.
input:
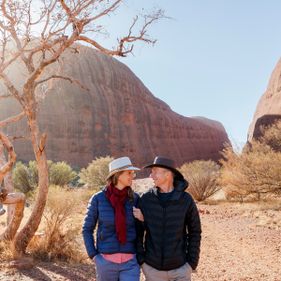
(112, 208)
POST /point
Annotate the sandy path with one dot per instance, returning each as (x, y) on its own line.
(235, 247)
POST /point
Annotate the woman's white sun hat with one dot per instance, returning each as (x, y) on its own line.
(120, 164)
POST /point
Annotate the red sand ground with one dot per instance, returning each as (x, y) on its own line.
(239, 242)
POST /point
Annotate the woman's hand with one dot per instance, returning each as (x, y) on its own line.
(138, 214)
(94, 259)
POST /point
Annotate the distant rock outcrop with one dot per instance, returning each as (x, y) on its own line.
(116, 116)
(268, 109)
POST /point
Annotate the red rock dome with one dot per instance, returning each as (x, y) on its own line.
(116, 116)
(269, 106)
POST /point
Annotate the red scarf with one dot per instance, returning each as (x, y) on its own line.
(117, 198)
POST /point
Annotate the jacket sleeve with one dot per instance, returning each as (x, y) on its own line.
(140, 237)
(193, 225)
(89, 225)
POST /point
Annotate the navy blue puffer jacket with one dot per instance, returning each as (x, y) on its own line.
(101, 212)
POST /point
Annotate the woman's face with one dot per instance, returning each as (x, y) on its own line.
(125, 179)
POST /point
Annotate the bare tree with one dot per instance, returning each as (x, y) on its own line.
(37, 33)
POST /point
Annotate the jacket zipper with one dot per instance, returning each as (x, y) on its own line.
(163, 236)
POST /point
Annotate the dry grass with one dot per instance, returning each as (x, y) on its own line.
(6, 251)
(202, 177)
(59, 238)
(59, 234)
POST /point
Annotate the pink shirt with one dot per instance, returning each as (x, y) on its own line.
(118, 257)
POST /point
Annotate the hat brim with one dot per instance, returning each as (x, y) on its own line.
(177, 173)
(121, 170)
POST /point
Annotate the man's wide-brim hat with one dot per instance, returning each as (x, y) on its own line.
(166, 163)
(119, 165)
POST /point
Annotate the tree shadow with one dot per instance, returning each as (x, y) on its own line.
(35, 274)
(81, 272)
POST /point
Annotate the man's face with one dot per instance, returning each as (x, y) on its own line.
(160, 176)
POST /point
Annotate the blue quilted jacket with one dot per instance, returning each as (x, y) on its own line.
(105, 241)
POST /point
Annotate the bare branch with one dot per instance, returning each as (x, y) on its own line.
(5, 13)
(11, 88)
(122, 50)
(12, 156)
(65, 43)
(105, 12)
(19, 138)
(49, 11)
(14, 57)
(14, 34)
(148, 20)
(100, 47)
(5, 96)
(10, 120)
(71, 80)
(18, 199)
(42, 143)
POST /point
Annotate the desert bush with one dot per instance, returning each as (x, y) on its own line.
(59, 239)
(61, 174)
(251, 174)
(25, 177)
(202, 177)
(96, 172)
(271, 135)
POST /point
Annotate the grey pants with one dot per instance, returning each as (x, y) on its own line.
(182, 273)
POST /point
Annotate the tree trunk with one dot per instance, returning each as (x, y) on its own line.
(8, 182)
(23, 238)
(18, 199)
(2, 162)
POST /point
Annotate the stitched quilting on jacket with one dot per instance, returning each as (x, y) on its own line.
(172, 230)
(100, 213)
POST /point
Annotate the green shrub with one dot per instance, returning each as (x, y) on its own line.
(25, 178)
(61, 174)
(202, 177)
(33, 173)
(96, 172)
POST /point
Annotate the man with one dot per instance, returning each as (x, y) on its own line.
(169, 238)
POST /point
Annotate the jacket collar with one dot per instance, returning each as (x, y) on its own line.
(179, 187)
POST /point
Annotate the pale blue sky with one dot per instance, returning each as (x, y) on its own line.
(213, 59)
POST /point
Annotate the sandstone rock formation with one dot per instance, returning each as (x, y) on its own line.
(269, 106)
(116, 116)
